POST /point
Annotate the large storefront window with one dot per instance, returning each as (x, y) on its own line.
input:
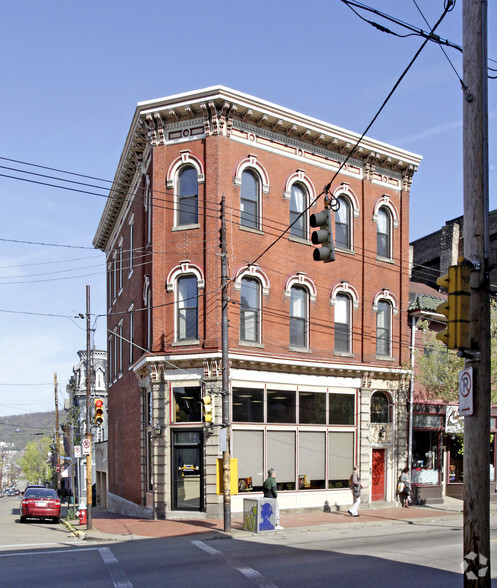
(312, 460)
(187, 404)
(281, 407)
(312, 408)
(340, 459)
(425, 457)
(342, 409)
(250, 463)
(248, 405)
(281, 456)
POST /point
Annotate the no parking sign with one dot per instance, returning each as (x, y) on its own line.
(466, 392)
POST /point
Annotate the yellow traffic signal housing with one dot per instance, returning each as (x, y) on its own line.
(99, 411)
(457, 308)
(208, 408)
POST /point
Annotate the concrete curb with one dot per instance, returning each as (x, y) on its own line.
(76, 532)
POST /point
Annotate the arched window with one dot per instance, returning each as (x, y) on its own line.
(299, 319)
(250, 310)
(187, 309)
(380, 408)
(343, 235)
(343, 337)
(298, 204)
(384, 329)
(187, 196)
(250, 200)
(384, 233)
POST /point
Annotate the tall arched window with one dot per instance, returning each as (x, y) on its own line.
(298, 219)
(380, 408)
(187, 309)
(188, 196)
(250, 310)
(342, 324)
(299, 317)
(384, 233)
(343, 237)
(250, 200)
(384, 329)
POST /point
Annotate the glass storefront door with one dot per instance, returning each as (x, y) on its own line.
(187, 472)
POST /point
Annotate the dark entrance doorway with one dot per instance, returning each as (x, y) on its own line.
(187, 472)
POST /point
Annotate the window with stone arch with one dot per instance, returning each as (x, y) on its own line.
(187, 196)
(250, 310)
(299, 317)
(381, 408)
(299, 198)
(343, 323)
(187, 308)
(384, 328)
(384, 233)
(250, 199)
(343, 223)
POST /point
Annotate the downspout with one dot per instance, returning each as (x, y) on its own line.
(411, 391)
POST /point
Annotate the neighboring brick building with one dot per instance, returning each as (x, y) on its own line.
(317, 351)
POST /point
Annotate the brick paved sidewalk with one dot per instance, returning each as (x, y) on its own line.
(121, 526)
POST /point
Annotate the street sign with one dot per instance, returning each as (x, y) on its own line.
(77, 451)
(86, 446)
(466, 392)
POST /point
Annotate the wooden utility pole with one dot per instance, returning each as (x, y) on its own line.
(476, 249)
(89, 484)
(57, 433)
(225, 372)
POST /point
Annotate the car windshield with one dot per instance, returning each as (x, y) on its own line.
(40, 493)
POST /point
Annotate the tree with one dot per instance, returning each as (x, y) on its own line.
(437, 368)
(34, 461)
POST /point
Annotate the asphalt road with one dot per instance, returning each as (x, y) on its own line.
(424, 553)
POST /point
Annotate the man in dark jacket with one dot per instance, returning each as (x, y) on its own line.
(271, 491)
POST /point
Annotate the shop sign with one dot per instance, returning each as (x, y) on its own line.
(454, 423)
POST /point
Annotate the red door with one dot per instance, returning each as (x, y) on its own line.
(378, 476)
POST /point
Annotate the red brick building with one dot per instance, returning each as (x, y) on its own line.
(317, 351)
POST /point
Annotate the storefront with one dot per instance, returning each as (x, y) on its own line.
(437, 468)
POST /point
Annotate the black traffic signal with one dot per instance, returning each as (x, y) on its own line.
(323, 237)
(99, 411)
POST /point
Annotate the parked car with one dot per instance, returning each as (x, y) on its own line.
(41, 503)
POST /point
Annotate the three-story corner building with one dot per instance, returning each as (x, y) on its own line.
(317, 351)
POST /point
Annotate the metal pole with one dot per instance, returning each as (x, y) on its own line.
(225, 371)
(476, 244)
(57, 434)
(88, 414)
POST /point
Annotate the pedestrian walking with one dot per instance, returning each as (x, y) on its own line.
(271, 491)
(355, 487)
(405, 488)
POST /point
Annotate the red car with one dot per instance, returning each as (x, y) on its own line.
(40, 503)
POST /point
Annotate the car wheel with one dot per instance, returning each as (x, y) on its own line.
(22, 519)
(56, 520)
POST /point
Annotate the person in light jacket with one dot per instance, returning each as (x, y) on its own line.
(355, 487)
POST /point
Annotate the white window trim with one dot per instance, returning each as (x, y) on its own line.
(253, 271)
(301, 279)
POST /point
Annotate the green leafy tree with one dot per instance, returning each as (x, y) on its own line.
(34, 461)
(437, 368)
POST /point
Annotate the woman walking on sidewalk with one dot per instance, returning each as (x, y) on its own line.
(405, 484)
(355, 487)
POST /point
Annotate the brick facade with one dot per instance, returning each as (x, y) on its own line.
(220, 133)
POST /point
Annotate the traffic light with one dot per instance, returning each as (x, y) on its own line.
(208, 409)
(457, 308)
(99, 411)
(323, 237)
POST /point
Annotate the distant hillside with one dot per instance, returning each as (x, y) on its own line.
(22, 428)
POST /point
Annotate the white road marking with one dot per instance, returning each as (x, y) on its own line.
(251, 574)
(31, 553)
(118, 575)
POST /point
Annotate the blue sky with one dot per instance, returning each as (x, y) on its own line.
(71, 78)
